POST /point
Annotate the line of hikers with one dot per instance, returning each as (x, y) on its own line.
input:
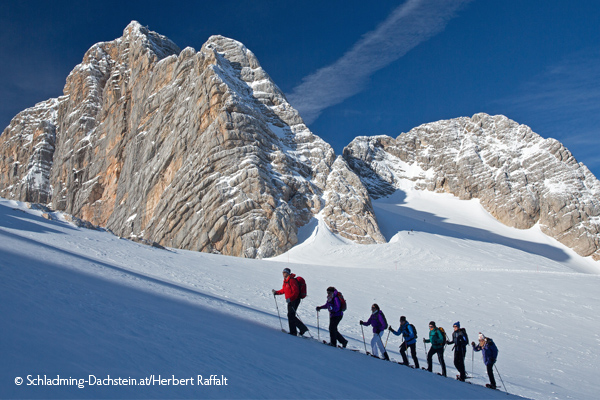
(294, 289)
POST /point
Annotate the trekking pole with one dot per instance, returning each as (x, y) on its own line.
(318, 327)
(386, 339)
(364, 342)
(276, 305)
(472, 360)
(500, 376)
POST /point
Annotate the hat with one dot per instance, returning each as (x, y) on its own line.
(331, 289)
(457, 324)
(287, 271)
(481, 336)
(402, 318)
(432, 323)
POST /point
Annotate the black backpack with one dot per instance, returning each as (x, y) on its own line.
(384, 319)
(414, 330)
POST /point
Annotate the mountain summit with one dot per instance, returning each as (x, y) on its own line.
(194, 150)
(519, 177)
(200, 150)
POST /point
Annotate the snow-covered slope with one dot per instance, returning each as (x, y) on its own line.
(78, 302)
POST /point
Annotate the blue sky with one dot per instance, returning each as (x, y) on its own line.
(352, 68)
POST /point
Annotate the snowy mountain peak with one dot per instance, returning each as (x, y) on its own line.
(519, 177)
(196, 150)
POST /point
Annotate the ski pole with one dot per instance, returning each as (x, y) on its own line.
(364, 342)
(500, 376)
(276, 305)
(318, 327)
(472, 360)
(386, 339)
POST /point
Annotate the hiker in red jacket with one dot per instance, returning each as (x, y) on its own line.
(291, 290)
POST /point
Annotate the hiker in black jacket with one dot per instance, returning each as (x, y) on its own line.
(460, 340)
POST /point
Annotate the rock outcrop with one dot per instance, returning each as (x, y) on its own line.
(194, 150)
(27, 148)
(519, 177)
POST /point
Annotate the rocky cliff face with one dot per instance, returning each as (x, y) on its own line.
(27, 149)
(195, 150)
(519, 177)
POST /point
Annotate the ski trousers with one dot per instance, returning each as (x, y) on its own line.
(440, 354)
(413, 352)
(490, 371)
(334, 335)
(293, 320)
(459, 363)
(377, 342)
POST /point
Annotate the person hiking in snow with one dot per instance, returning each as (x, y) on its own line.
(460, 340)
(334, 305)
(490, 354)
(379, 323)
(438, 341)
(409, 341)
(291, 290)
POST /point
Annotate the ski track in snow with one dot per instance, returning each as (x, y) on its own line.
(78, 302)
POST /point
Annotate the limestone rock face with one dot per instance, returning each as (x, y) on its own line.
(519, 177)
(348, 209)
(27, 148)
(194, 150)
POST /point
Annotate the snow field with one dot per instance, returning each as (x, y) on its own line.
(82, 302)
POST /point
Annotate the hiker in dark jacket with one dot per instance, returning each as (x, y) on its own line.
(409, 337)
(378, 322)
(460, 340)
(438, 341)
(490, 354)
(291, 290)
(334, 305)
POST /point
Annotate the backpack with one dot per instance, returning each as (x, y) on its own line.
(384, 320)
(414, 330)
(443, 333)
(343, 305)
(301, 286)
(493, 348)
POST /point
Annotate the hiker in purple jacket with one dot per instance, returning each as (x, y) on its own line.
(334, 305)
(379, 323)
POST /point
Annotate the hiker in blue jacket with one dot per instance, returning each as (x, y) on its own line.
(378, 322)
(410, 341)
(490, 354)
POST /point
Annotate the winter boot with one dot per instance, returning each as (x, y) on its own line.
(386, 357)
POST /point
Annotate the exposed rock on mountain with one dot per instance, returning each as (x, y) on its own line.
(195, 150)
(519, 177)
(26, 151)
(348, 209)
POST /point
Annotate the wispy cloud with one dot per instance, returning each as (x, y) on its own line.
(569, 89)
(407, 26)
(563, 102)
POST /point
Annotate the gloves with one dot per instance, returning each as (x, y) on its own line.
(472, 343)
(287, 300)
(318, 308)
(362, 323)
(274, 292)
(390, 328)
(424, 340)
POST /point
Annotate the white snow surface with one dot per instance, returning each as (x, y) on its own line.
(78, 302)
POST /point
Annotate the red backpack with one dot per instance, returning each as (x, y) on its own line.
(301, 286)
(342, 301)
